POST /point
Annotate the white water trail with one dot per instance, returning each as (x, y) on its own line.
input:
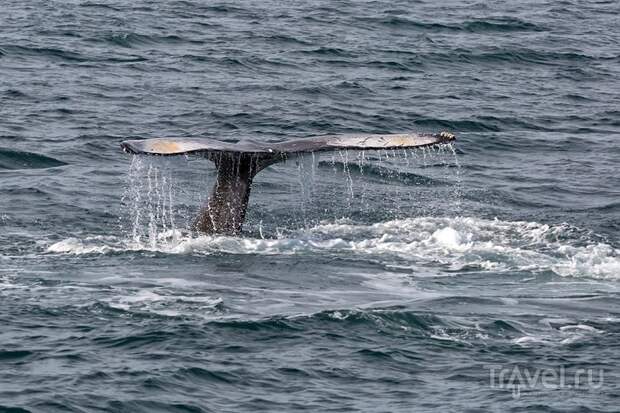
(437, 244)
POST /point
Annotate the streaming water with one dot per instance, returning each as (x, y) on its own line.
(152, 204)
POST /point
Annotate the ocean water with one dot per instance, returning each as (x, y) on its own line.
(481, 276)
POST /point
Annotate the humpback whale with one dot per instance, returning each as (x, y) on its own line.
(238, 163)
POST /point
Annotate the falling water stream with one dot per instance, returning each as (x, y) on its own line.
(157, 202)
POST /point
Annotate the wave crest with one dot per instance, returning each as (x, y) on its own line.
(12, 159)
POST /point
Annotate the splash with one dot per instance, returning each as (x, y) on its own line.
(427, 245)
(378, 185)
(149, 202)
(157, 207)
(163, 194)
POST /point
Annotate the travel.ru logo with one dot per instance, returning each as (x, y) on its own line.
(518, 378)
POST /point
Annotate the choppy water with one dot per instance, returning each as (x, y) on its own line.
(371, 282)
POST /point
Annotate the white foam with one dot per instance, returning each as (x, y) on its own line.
(337, 315)
(577, 327)
(527, 341)
(429, 242)
(599, 260)
(568, 333)
(162, 302)
(450, 238)
(78, 247)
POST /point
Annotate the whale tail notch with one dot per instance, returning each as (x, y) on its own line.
(238, 163)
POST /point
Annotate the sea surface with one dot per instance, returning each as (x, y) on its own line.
(479, 276)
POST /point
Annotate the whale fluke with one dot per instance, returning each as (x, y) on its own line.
(238, 162)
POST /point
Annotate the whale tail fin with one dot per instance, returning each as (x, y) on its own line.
(238, 162)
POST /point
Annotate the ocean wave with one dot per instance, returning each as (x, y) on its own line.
(99, 5)
(497, 55)
(439, 329)
(558, 332)
(284, 38)
(12, 159)
(172, 298)
(460, 125)
(14, 93)
(44, 52)
(506, 24)
(183, 300)
(131, 40)
(492, 25)
(164, 302)
(62, 55)
(442, 244)
(328, 51)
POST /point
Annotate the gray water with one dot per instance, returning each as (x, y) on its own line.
(451, 279)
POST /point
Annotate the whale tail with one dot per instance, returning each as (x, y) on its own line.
(238, 163)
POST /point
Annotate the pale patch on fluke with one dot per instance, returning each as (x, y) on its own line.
(165, 146)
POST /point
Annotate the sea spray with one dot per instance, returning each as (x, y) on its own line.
(163, 195)
(148, 203)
